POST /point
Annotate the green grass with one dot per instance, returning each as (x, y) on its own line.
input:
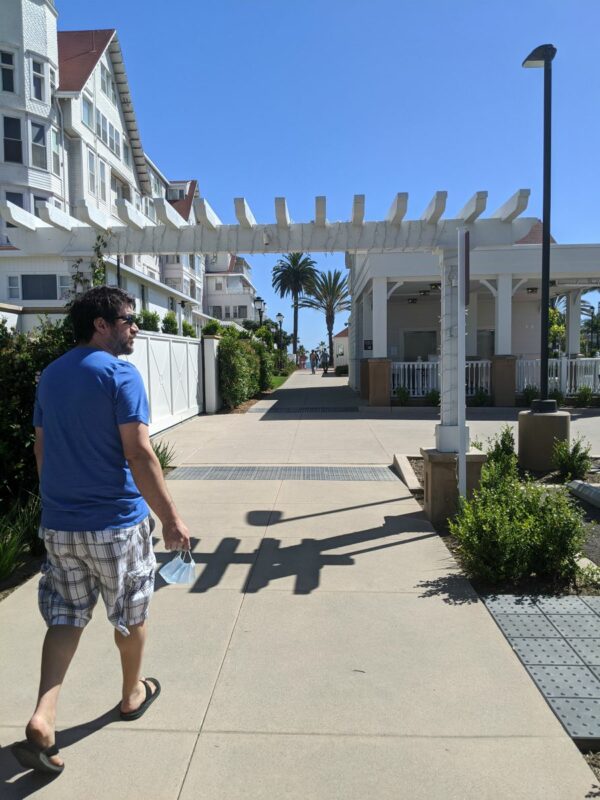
(278, 380)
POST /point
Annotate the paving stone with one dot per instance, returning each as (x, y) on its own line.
(576, 625)
(593, 603)
(563, 605)
(587, 649)
(566, 681)
(525, 625)
(546, 651)
(511, 604)
(581, 717)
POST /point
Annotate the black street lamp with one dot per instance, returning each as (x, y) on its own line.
(279, 319)
(542, 57)
(260, 306)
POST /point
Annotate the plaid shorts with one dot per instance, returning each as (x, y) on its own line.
(119, 564)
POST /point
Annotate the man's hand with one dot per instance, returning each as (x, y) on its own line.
(176, 535)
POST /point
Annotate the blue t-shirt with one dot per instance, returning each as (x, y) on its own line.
(86, 483)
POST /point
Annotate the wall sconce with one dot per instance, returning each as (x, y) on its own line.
(412, 300)
(532, 290)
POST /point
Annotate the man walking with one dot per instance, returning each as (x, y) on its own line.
(313, 361)
(98, 475)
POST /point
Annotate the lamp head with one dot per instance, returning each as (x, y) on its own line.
(259, 304)
(538, 57)
(279, 318)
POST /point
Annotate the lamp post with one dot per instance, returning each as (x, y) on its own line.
(260, 306)
(279, 319)
(542, 56)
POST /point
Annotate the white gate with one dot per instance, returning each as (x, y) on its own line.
(171, 367)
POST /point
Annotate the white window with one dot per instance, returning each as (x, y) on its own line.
(218, 286)
(117, 150)
(138, 201)
(38, 199)
(102, 126)
(88, 112)
(186, 286)
(13, 287)
(7, 71)
(64, 286)
(13, 142)
(242, 312)
(55, 152)
(227, 312)
(37, 71)
(111, 137)
(126, 153)
(107, 84)
(102, 179)
(39, 157)
(91, 172)
(217, 312)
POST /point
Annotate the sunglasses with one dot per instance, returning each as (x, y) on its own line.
(130, 319)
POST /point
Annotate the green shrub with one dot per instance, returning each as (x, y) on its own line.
(572, 462)
(239, 371)
(341, 369)
(212, 328)
(432, 398)
(19, 535)
(148, 320)
(477, 444)
(169, 323)
(529, 394)
(265, 335)
(511, 529)
(266, 364)
(22, 358)
(480, 398)
(584, 397)
(402, 395)
(188, 329)
(502, 446)
(557, 395)
(165, 453)
(231, 331)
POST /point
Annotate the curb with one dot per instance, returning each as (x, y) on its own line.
(402, 467)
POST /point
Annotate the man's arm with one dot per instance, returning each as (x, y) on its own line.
(38, 450)
(148, 477)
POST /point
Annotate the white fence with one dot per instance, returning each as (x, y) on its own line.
(567, 375)
(422, 377)
(171, 367)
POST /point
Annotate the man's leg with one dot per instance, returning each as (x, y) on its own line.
(59, 648)
(131, 649)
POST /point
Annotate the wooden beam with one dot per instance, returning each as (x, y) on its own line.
(92, 216)
(398, 208)
(242, 211)
(130, 215)
(358, 209)
(167, 214)
(513, 207)
(321, 211)
(282, 215)
(54, 216)
(21, 218)
(435, 209)
(205, 215)
(474, 208)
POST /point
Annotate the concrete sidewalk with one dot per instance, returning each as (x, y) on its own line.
(327, 650)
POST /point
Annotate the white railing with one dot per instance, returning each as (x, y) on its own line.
(567, 375)
(422, 377)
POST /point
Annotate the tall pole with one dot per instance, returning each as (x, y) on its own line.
(546, 228)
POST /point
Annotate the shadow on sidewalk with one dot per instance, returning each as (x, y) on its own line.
(13, 788)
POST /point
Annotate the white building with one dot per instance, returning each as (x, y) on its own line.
(230, 293)
(71, 140)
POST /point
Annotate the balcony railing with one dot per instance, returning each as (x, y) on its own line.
(566, 375)
(422, 377)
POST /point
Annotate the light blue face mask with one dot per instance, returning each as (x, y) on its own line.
(178, 570)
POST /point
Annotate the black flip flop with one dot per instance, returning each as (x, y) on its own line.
(150, 698)
(31, 756)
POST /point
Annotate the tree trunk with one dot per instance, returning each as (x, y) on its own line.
(295, 337)
(330, 323)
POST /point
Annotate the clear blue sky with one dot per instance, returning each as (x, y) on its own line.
(305, 97)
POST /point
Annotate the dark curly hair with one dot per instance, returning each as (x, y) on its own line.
(101, 301)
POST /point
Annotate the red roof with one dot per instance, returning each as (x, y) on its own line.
(341, 333)
(184, 205)
(535, 235)
(78, 54)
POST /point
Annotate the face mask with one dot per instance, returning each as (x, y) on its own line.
(179, 570)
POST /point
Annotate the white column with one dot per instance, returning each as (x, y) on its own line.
(504, 315)
(380, 301)
(367, 324)
(573, 323)
(471, 343)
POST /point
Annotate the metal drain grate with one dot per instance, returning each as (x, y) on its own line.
(305, 410)
(282, 473)
(558, 641)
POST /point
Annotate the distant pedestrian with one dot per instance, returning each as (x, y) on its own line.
(313, 361)
(97, 471)
(324, 361)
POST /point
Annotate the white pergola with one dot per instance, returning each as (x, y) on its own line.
(55, 232)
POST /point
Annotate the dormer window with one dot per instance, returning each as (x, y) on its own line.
(107, 84)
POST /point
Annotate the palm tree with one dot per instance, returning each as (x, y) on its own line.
(294, 274)
(329, 294)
